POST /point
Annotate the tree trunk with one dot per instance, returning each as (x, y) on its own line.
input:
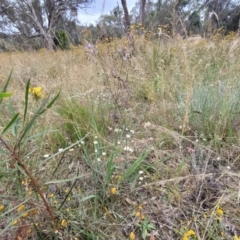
(48, 41)
(126, 15)
(142, 11)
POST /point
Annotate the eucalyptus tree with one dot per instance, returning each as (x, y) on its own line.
(38, 18)
(111, 24)
(126, 15)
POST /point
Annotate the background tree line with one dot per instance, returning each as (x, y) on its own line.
(54, 23)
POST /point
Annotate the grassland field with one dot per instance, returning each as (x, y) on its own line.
(142, 143)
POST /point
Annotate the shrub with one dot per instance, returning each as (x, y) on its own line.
(61, 40)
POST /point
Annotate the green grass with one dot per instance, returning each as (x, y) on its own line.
(145, 147)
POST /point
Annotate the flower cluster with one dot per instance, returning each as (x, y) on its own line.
(219, 213)
(36, 92)
(139, 213)
(113, 190)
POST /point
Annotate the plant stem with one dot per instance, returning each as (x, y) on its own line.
(33, 180)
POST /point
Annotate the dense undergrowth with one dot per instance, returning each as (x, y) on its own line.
(141, 143)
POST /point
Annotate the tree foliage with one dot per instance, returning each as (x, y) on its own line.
(61, 40)
(38, 18)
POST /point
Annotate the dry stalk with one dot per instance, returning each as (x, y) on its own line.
(33, 180)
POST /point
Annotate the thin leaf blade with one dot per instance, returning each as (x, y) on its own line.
(26, 101)
(10, 123)
(5, 94)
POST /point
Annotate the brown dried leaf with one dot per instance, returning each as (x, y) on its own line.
(152, 237)
(130, 202)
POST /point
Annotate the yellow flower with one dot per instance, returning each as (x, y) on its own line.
(138, 214)
(14, 222)
(188, 234)
(36, 92)
(25, 214)
(21, 207)
(236, 237)
(113, 190)
(63, 223)
(132, 236)
(51, 195)
(1, 207)
(219, 211)
(140, 207)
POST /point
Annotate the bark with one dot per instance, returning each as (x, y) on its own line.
(46, 35)
(142, 10)
(126, 15)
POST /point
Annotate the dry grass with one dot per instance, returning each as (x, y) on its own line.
(180, 99)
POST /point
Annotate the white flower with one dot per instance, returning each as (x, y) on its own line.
(128, 149)
(128, 136)
(132, 131)
(71, 149)
(99, 159)
(95, 151)
(103, 153)
(46, 155)
(141, 178)
(82, 142)
(140, 172)
(95, 142)
(60, 150)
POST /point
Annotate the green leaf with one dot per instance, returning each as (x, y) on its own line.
(40, 111)
(51, 103)
(87, 198)
(6, 85)
(5, 94)
(66, 180)
(26, 101)
(31, 122)
(135, 165)
(10, 123)
(144, 233)
(151, 226)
